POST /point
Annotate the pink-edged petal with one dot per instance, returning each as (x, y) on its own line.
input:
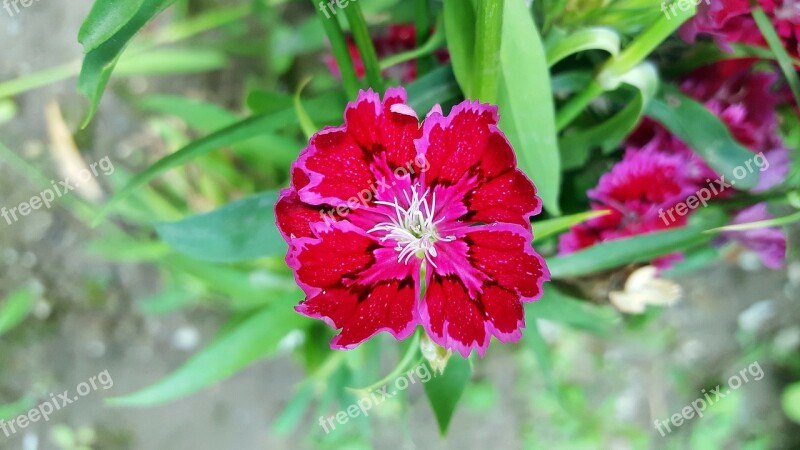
(504, 253)
(334, 306)
(510, 198)
(505, 313)
(388, 127)
(334, 258)
(389, 306)
(294, 218)
(467, 141)
(452, 319)
(336, 167)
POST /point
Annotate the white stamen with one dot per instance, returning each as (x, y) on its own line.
(413, 228)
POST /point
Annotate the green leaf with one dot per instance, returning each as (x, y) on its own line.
(459, 27)
(255, 338)
(15, 309)
(705, 133)
(595, 38)
(641, 248)
(444, 391)
(101, 60)
(105, 19)
(558, 307)
(546, 228)
(239, 231)
(526, 103)
(171, 61)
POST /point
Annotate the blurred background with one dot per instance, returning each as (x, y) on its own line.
(79, 300)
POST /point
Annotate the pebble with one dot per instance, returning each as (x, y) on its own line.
(186, 338)
(753, 318)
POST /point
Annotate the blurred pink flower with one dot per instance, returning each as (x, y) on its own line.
(768, 243)
(636, 191)
(730, 21)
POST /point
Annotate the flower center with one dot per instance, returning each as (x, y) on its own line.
(413, 227)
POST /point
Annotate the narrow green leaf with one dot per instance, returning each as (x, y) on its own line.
(232, 134)
(239, 231)
(706, 134)
(105, 19)
(255, 338)
(358, 26)
(776, 222)
(100, 61)
(445, 390)
(546, 228)
(527, 113)
(595, 38)
(459, 27)
(15, 309)
(641, 248)
(339, 49)
(170, 61)
(302, 116)
(773, 40)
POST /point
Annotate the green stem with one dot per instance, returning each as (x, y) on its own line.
(577, 104)
(358, 26)
(339, 48)
(487, 49)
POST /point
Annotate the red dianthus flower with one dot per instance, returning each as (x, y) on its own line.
(381, 209)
